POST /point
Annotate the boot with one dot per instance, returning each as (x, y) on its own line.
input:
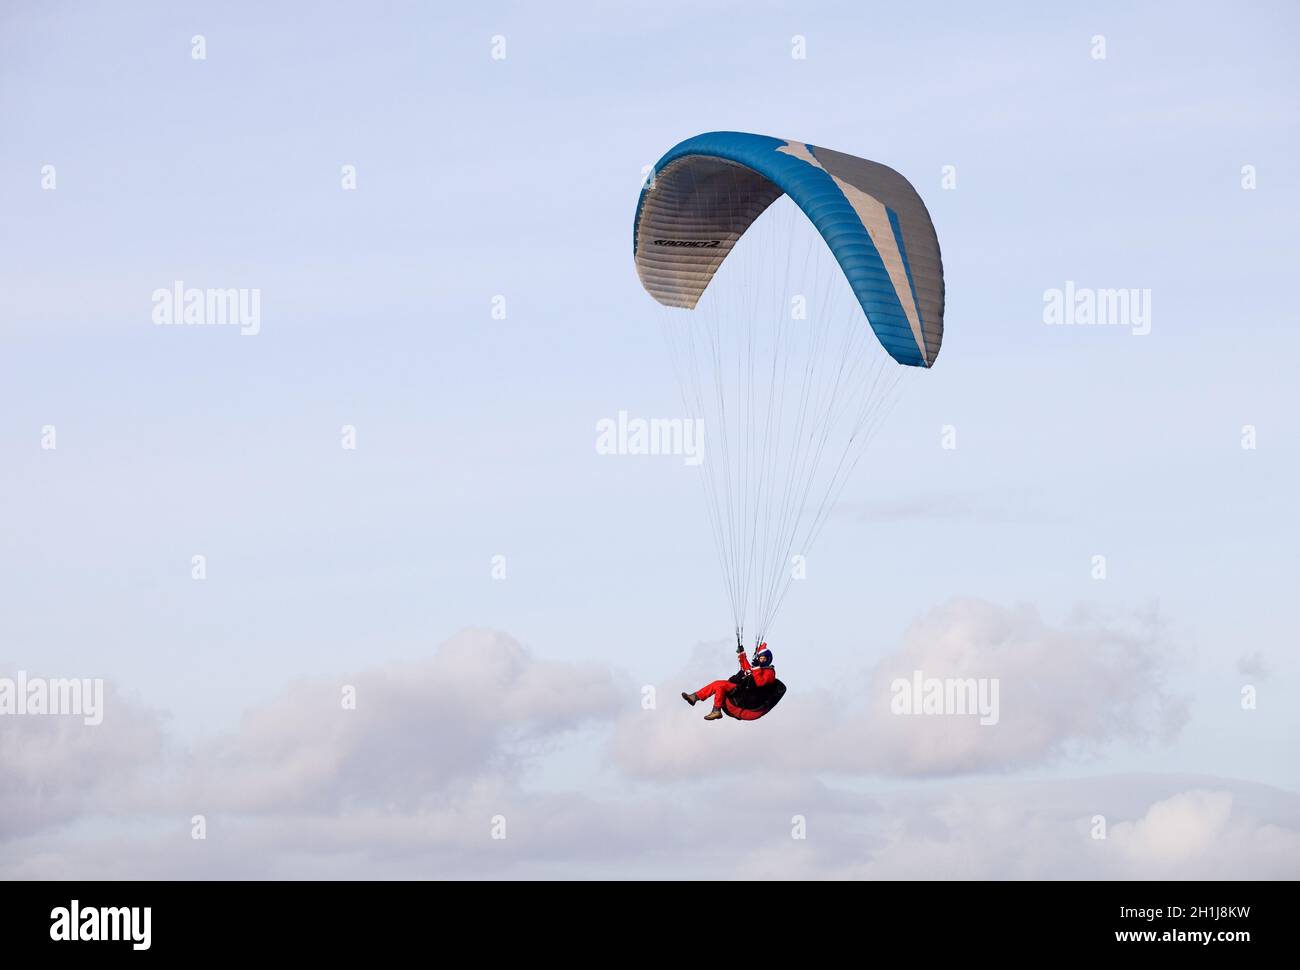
(713, 715)
(689, 698)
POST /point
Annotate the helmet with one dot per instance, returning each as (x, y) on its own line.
(763, 656)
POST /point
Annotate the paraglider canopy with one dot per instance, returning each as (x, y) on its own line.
(707, 191)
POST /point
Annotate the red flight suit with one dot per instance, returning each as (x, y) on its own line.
(719, 689)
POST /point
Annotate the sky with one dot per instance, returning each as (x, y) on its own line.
(498, 153)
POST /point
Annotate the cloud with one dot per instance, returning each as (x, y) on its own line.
(55, 768)
(1178, 829)
(1061, 691)
(1219, 829)
(420, 733)
(410, 782)
(1254, 665)
(445, 729)
(439, 752)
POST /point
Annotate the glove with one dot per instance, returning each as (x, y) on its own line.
(739, 648)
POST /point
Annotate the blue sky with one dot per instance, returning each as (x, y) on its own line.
(518, 177)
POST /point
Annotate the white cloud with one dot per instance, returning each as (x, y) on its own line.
(1220, 829)
(1201, 831)
(55, 768)
(408, 785)
(421, 733)
(950, 830)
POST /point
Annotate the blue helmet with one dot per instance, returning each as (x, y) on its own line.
(763, 656)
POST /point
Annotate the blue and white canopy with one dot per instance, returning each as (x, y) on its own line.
(708, 190)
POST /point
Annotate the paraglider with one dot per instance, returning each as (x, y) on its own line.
(746, 696)
(789, 355)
